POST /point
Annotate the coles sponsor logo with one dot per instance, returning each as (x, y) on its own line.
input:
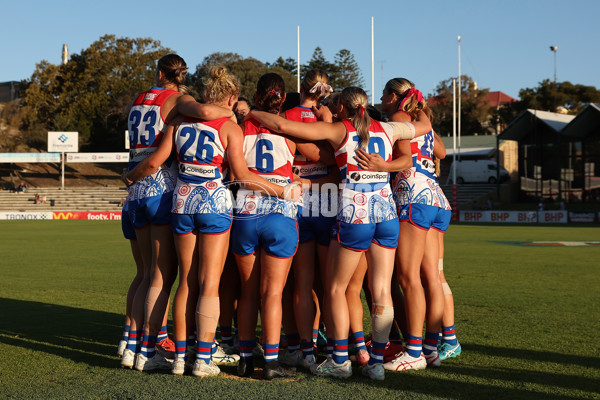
(184, 190)
(361, 213)
(360, 199)
(211, 185)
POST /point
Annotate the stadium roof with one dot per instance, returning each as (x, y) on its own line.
(585, 123)
(526, 122)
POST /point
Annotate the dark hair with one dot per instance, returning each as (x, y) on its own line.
(292, 99)
(270, 90)
(174, 70)
(241, 98)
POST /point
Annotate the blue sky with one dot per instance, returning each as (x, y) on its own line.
(505, 44)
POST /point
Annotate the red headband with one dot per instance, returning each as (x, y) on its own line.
(362, 110)
(410, 93)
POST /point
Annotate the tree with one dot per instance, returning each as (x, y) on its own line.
(289, 64)
(347, 73)
(247, 70)
(318, 61)
(546, 96)
(475, 110)
(89, 93)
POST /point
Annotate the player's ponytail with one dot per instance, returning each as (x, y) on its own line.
(174, 70)
(270, 92)
(355, 101)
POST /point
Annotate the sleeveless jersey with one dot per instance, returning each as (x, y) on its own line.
(303, 167)
(268, 155)
(365, 196)
(201, 155)
(418, 184)
(145, 125)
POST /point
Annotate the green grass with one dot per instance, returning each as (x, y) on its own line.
(528, 319)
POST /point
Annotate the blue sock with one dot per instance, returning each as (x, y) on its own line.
(204, 351)
(191, 341)
(414, 345)
(307, 349)
(162, 334)
(148, 346)
(359, 340)
(430, 344)
(395, 337)
(340, 351)
(293, 342)
(227, 335)
(125, 336)
(377, 350)
(449, 335)
(271, 352)
(132, 342)
(246, 348)
(180, 348)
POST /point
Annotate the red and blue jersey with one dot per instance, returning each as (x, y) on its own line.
(365, 196)
(418, 184)
(380, 142)
(268, 155)
(145, 125)
(303, 167)
(201, 155)
(200, 150)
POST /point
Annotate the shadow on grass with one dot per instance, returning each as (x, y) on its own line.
(78, 334)
(536, 355)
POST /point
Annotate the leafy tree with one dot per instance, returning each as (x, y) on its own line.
(346, 71)
(475, 110)
(547, 96)
(318, 61)
(247, 70)
(289, 64)
(90, 92)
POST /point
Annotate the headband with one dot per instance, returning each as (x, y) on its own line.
(275, 92)
(410, 93)
(324, 87)
(362, 110)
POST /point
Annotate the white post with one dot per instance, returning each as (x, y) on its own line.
(62, 161)
(459, 93)
(298, 58)
(454, 131)
(372, 61)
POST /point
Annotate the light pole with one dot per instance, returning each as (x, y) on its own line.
(554, 49)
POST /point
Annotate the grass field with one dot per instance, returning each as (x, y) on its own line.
(528, 318)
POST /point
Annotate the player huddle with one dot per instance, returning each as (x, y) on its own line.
(289, 211)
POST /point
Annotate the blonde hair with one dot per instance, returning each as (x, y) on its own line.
(401, 87)
(174, 70)
(316, 77)
(219, 85)
(355, 100)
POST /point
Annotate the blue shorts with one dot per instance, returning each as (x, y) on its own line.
(205, 223)
(360, 236)
(127, 226)
(426, 217)
(154, 210)
(315, 228)
(275, 233)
